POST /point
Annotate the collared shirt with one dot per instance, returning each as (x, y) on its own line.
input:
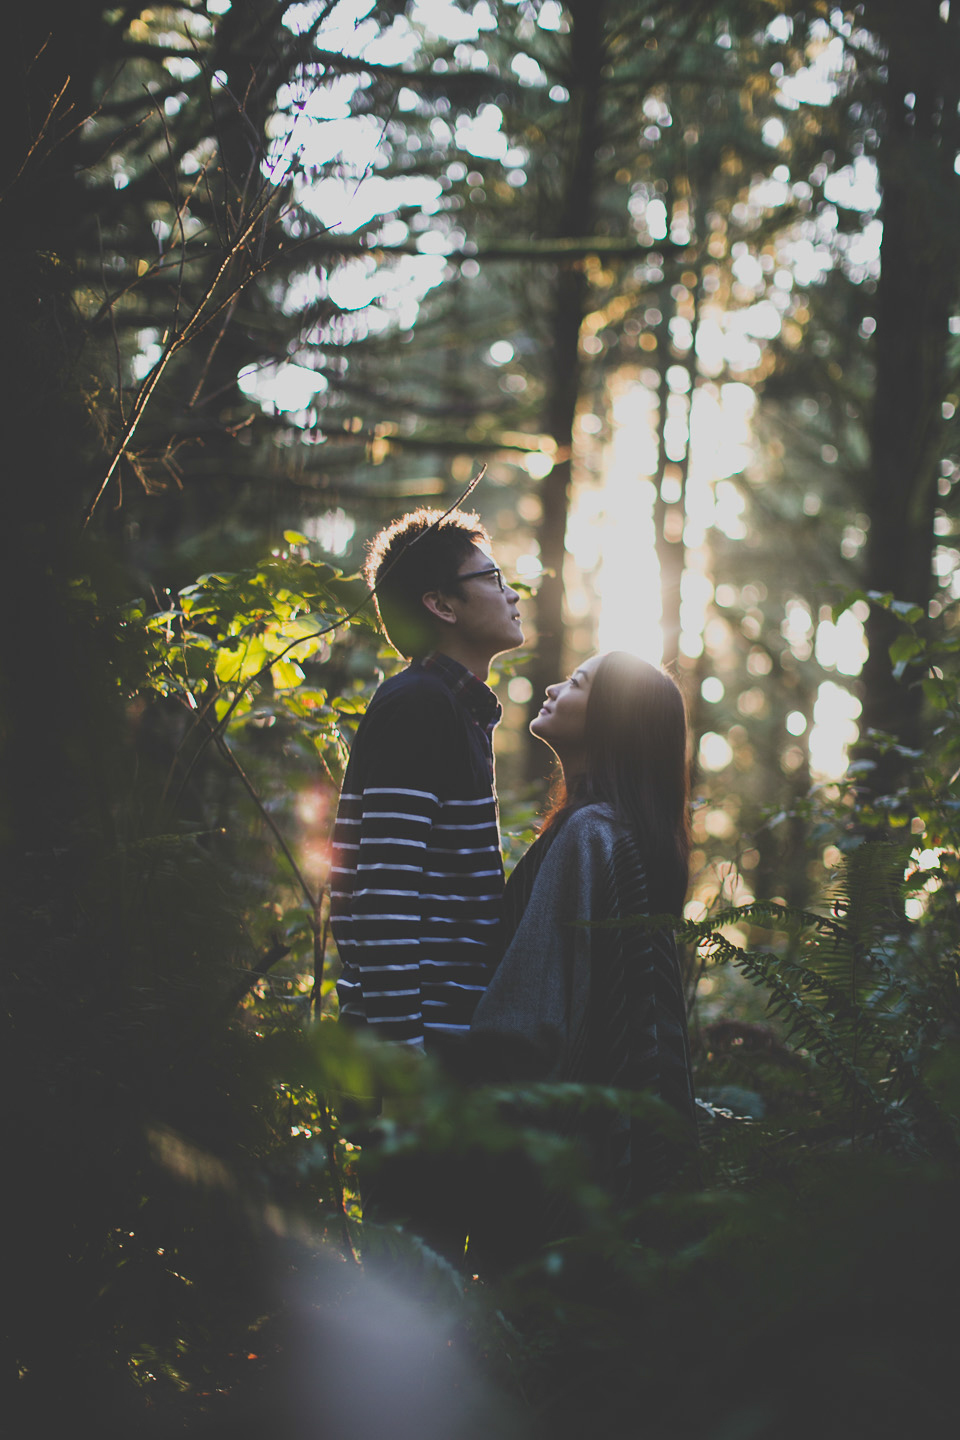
(481, 703)
(417, 876)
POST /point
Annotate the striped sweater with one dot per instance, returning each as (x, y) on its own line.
(417, 877)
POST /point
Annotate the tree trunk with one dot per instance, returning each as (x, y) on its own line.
(575, 218)
(915, 296)
(46, 96)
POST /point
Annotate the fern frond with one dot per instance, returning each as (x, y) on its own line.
(869, 891)
(818, 1034)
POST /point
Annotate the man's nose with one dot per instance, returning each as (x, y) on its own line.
(511, 593)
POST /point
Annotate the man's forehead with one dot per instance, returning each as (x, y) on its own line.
(479, 554)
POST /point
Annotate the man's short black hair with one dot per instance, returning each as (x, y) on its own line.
(413, 555)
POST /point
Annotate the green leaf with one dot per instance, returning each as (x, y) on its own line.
(904, 648)
(241, 664)
(286, 675)
(936, 693)
(307, 630)
(850, 597)
(243, 707)
(907, 610)
(294, 537)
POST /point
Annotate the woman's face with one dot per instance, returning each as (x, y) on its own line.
(562, 721)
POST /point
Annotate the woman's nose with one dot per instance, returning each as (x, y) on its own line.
(552, 690)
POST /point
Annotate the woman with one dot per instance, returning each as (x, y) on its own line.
(605, 1006)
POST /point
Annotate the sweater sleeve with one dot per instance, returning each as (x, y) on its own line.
(391, 799)
(531, 1023)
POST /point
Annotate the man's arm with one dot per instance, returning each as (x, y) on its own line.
(390, 803)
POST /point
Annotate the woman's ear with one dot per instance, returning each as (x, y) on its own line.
(439, 606)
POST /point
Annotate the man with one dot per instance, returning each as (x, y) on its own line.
(417, 876)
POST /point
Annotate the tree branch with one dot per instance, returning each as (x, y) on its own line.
(554, 248)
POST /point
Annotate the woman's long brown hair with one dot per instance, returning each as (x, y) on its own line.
(636, 732)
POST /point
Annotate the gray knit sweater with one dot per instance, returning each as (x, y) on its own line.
(600, 1006)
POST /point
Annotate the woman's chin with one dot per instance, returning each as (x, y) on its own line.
(541, 731)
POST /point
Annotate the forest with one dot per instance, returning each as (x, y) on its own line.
(668, 291)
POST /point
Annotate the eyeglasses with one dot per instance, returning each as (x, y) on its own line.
(476, 574)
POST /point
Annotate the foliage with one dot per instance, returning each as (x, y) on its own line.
(233, 635)
(872, 1014)
(868, 983)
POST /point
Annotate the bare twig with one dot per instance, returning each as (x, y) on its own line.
(158, 267)
(196, 322)
(252, 215)
(229, 756)
(39, 137)
(118, 355)
(205, 368)
(178, 209)
(321, 934)
(336, 1178)
(266, 962)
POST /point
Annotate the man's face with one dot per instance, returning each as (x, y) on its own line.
(487, 615)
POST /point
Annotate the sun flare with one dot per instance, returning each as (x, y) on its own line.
(615, 575)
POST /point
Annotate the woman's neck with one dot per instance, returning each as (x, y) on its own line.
(574, 767)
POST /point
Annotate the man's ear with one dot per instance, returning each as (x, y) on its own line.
(439, 606)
